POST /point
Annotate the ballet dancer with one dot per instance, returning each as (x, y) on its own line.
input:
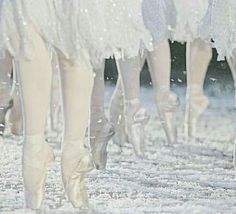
(159, 21)
(220, 23)
(10, 100)
(28, 36)
(198, 56)
(120, 34)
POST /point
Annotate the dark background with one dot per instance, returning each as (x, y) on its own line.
(218, 73)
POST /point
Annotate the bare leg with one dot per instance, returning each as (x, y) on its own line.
(198, 55)
(159, 62)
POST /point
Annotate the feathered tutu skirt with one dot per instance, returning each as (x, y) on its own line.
(219, 25)
(50, 18)
(113, 28)
(189, 19)
(159, 18)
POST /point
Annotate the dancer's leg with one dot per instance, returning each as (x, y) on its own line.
(198, 55)
(35, 80)
(135, 116)
(16, 116)
(101, 130)
(159, 62)
(117, 115)
(232, 64)
(5, 89)
(55, 101)
(6, 66)
(77, 83)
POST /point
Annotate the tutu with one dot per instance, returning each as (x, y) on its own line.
(160, 18)
(113, 28)
(220, 25)
(93, 29)
(17, 17)
(190, 16)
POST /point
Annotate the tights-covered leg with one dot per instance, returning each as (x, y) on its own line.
(117, 117)
(159, 62)
(77, 83)
(232, 65)
(16, 117)
(5, 89)
(136, 117)
(101, 130)
(198, 55)
(35, 80)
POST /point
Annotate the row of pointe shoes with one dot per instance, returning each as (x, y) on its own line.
(76, 162)
(127, 123)
(128, 120)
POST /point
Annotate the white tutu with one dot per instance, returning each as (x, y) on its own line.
(220, 25)
(190, 15)
(48, 19)
(113, 28)
(160, 18)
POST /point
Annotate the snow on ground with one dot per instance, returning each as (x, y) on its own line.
(184, 178)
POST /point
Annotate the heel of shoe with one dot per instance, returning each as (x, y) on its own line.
(135, 131)
(195, 108)
(99, 144)
(167, 107)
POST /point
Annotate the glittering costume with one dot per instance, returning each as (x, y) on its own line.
(48, 18)
(28, 29)
(159, 18)
(110, 27)
(190, 15)
(220, 25)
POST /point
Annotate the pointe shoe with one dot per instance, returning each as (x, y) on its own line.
(196, 105)
(76, 163)
(101, 133)
(36, 160)
(3, 112)
(118, 121)
(135, 124)
(167, 107)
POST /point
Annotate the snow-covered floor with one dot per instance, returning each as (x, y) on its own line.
(185, 178)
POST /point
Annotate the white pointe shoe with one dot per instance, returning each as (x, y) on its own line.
(196, 105)
(100, 134)
(3, 112)
(76, 163)
(36, 159)
(118, 120)
(135, 124)
(167, 107)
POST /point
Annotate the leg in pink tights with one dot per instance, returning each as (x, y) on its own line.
(35, 81)
(167, 102)
(77, 84)
(198, 56)
(5, 89)
(101, 131)
(136, 117)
